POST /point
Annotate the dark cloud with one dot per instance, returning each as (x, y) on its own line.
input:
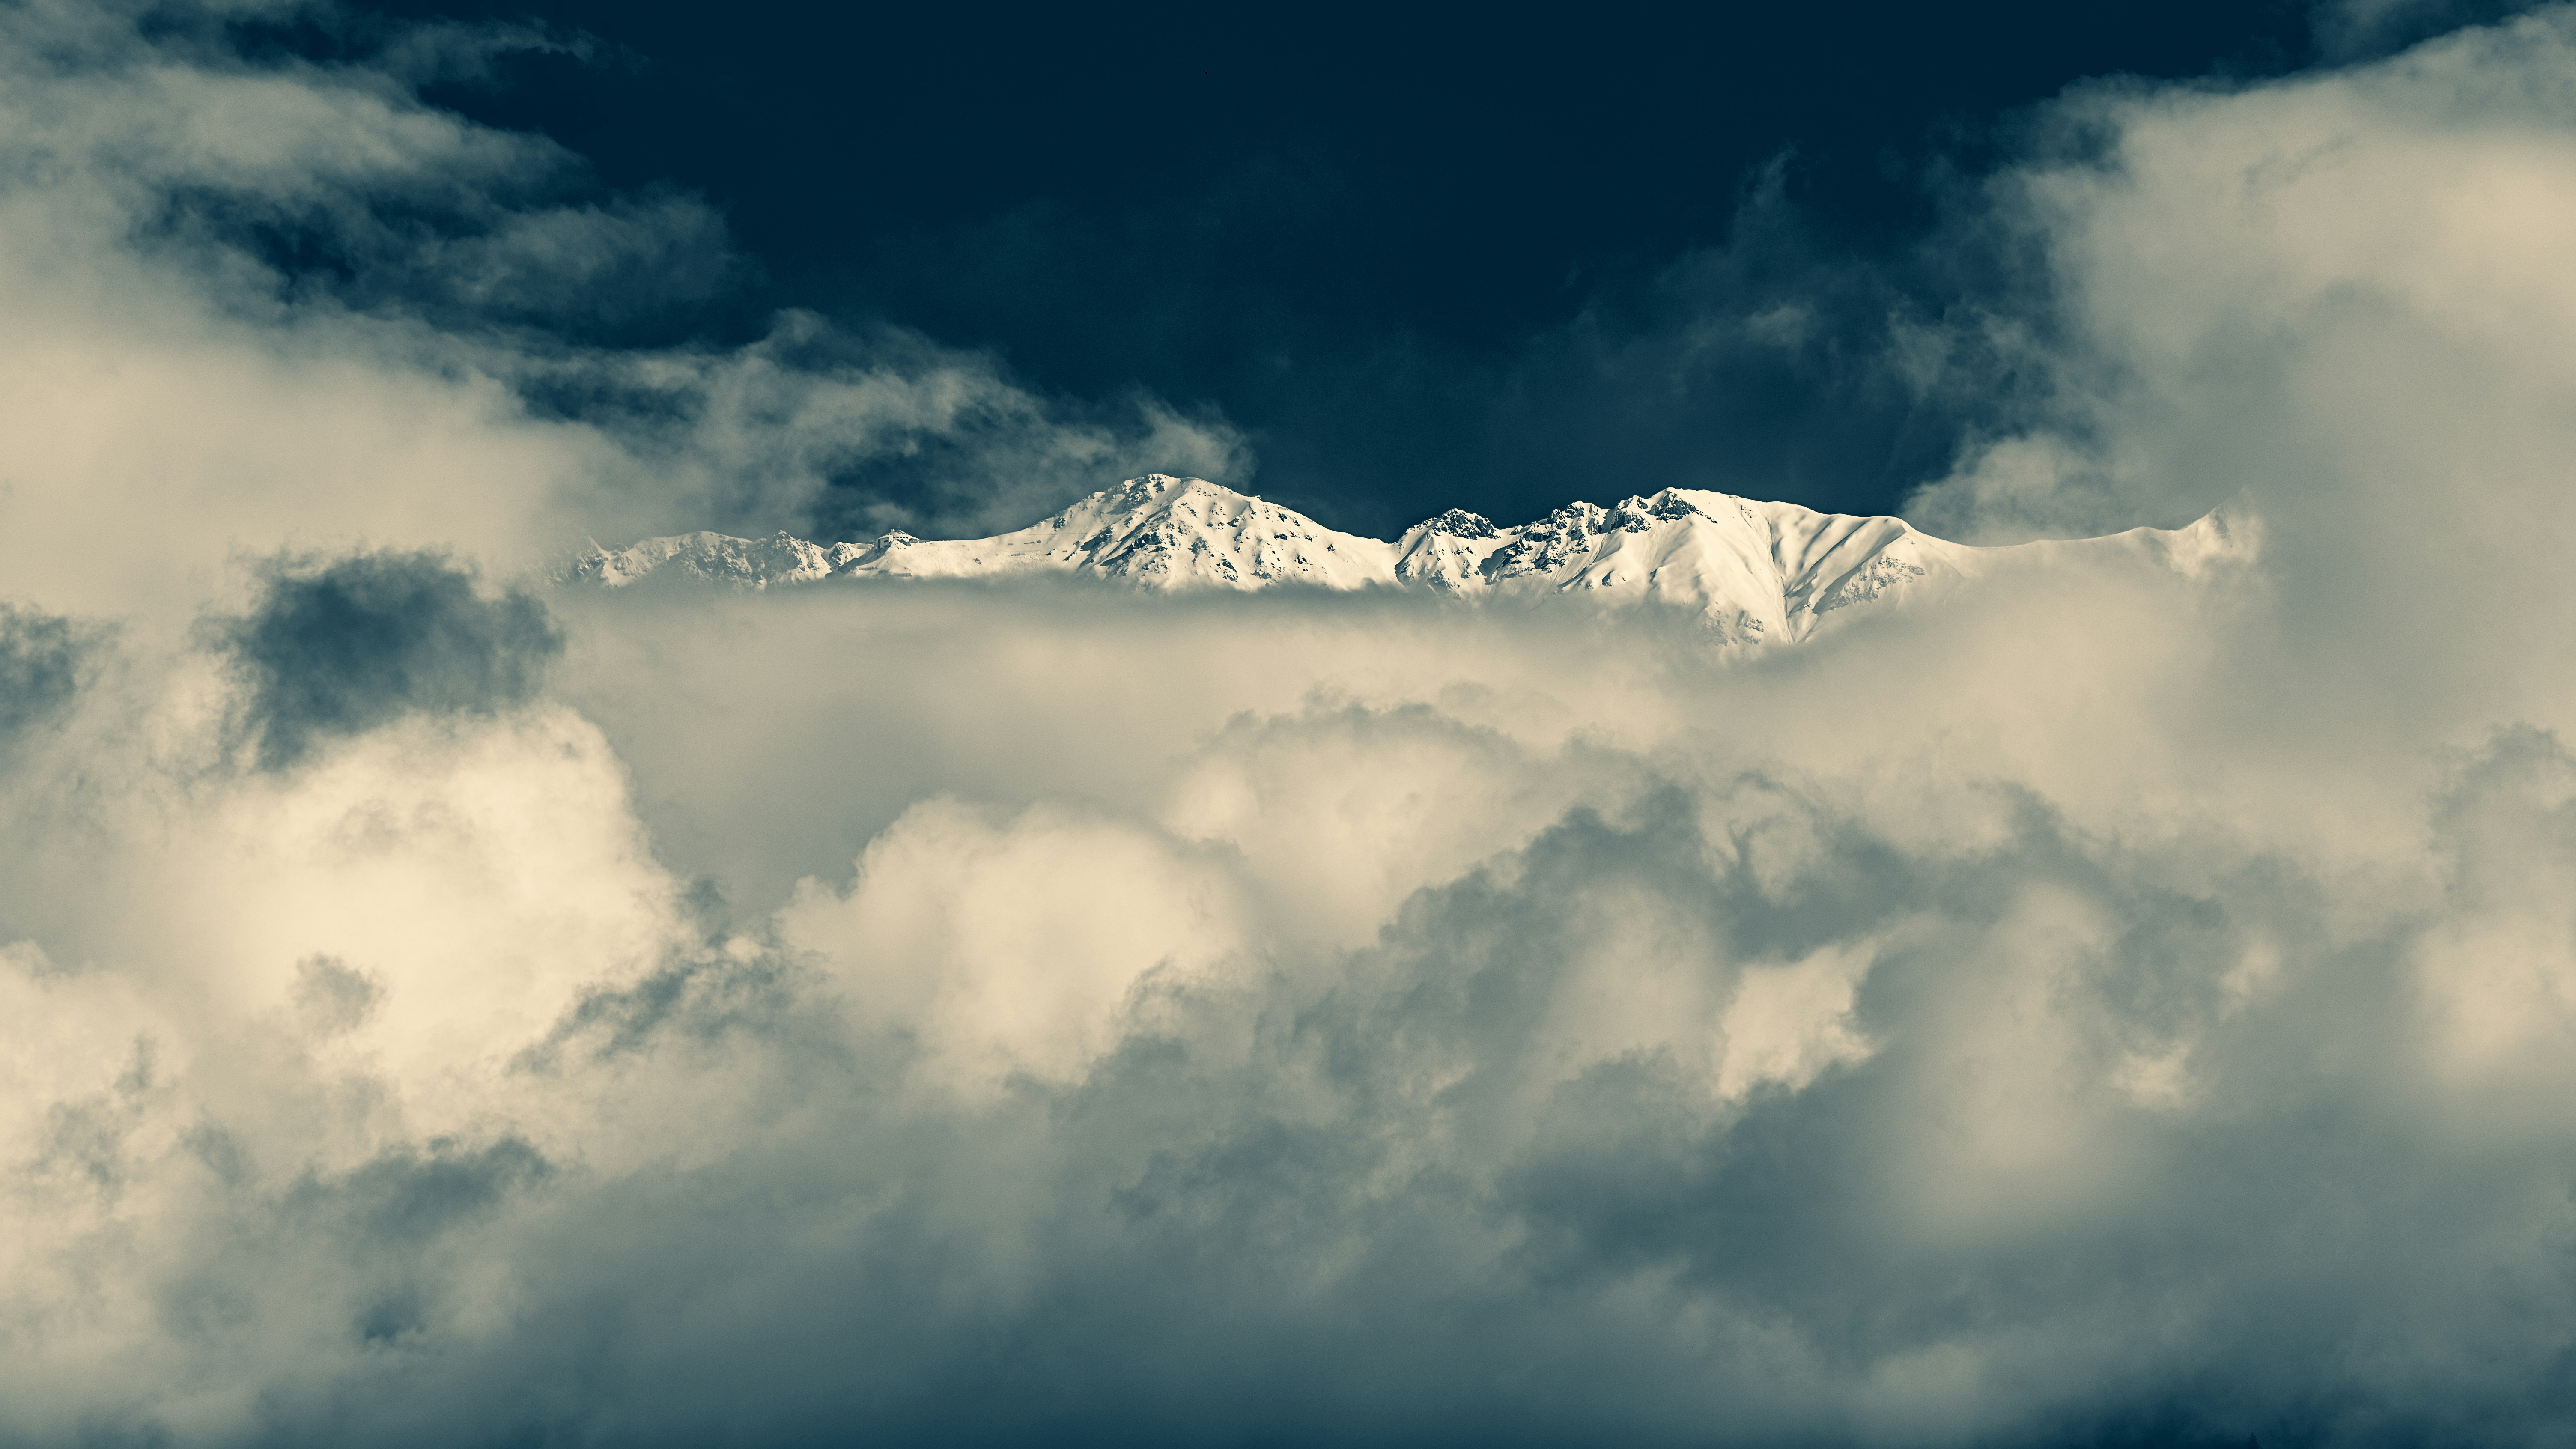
(409, 1198)
(41, 659)
(336, 649)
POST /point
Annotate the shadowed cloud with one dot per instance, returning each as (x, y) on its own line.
(336, 649)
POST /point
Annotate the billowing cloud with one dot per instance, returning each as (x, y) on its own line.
(2104, 1008)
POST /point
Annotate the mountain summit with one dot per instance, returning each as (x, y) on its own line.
(1755, 572)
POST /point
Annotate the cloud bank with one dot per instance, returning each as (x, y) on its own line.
(2105, 1010)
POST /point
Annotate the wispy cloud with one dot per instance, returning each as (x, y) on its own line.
(260, 302)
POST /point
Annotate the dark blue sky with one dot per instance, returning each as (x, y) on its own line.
(1422, 256)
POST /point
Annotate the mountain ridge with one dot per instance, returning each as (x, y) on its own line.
(1755, 572)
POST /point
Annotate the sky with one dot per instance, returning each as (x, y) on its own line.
(1376, 242)
(1419, 262)
(2116, 1007)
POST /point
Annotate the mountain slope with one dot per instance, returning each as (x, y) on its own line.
(1156, 531)
(1755, 572)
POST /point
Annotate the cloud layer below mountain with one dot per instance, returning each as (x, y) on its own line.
(2104, 1009)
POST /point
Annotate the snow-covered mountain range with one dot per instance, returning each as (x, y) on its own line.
(1755, 572)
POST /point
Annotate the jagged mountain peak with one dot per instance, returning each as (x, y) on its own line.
(1754, 572)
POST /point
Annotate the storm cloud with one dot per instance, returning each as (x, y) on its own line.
(341, 648)
(40, 664)
(2103, 1009)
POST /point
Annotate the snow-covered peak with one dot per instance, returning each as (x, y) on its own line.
(1157, 531)
(750, 563)
(1754, 572)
